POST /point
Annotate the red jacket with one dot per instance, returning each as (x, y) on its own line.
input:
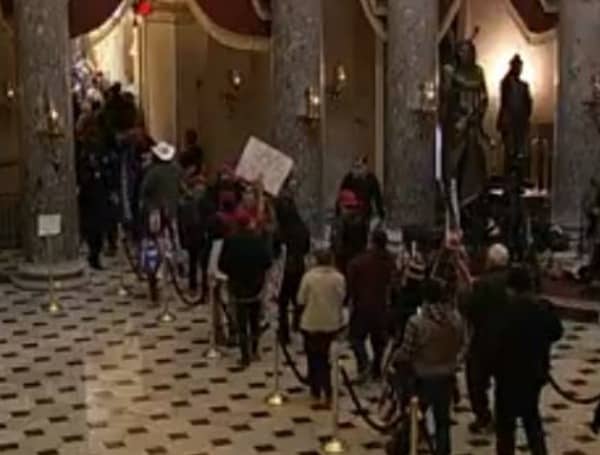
(369, 278)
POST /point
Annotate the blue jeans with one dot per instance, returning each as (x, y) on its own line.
(435, 393)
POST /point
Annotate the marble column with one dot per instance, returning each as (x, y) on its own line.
(409, 182)
(576, 156)
(297, 56)
(43, 56)
(160, 75)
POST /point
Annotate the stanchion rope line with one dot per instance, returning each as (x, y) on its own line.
(365, 413)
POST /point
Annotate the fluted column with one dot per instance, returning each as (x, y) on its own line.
(410, 136)
(43, 55)
(577, 156)
(297, 54)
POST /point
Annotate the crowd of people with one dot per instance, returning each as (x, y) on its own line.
(424, 304)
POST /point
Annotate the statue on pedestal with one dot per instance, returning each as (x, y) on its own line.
(464, 102)
(513, 119)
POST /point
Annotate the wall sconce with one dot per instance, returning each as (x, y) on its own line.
(311, 110)
(593, 104)
(50, 125)
(339, 82)
(426, 99)
(231, 96)
(8, 94)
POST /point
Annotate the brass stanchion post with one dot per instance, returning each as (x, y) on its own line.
(213, 352)
(122, 291)
(54, 306)
(276, 398)
(335, 444)
(414, 426)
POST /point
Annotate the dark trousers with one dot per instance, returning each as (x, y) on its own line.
(95, 240)
(360, 331)
(287, 295)
(435, 392)
(317, 346)
(513, 402)
(198, 256)
(479, 378)
(248, 326)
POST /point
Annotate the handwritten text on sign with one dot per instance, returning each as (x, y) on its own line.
(261, 160)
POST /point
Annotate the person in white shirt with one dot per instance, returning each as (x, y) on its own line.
(321, 295)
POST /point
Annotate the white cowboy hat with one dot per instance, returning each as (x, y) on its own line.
(164, 151)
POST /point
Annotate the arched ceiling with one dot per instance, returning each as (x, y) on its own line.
(238, 16)
(84, 15)
(241, 16)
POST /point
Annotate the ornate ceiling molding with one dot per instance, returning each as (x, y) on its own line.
(550, 6)
(95, 37)
(533, 38)
(227, 37)
(377, 22)
(262, 8)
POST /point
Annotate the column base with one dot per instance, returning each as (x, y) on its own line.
(36, 277)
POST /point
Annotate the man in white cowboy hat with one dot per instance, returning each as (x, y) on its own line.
(161, 187)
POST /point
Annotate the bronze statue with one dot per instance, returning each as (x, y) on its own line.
(513, 119)
(464, 104)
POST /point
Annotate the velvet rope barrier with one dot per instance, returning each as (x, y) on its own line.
(289, 361)
(364, 413)
(571, 396)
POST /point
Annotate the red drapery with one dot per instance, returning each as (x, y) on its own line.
(534, 16)
(237, 16)
(240, 17)
(531, 11)
(84, 15)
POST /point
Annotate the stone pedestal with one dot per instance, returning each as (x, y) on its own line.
(577, 153)
(410, 191)
(297, 53)
(43, 55)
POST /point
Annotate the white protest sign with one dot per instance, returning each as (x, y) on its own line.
(49, 225)
(261, 160)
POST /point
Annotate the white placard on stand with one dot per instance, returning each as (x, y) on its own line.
(49, 225)
(260, 160)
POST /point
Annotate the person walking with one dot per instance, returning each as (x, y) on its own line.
(295, 236)
(369, 279)
(528, 328)
(321, 295)
(196, 216)
(159, 199)
(482, 311)
(94, 194)
(433, 342)
(245, 260)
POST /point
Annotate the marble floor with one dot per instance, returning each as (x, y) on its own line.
(105, 378)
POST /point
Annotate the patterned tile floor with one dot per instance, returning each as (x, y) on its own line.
(106, 378)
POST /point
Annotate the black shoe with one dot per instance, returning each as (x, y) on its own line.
(95, 264)
(481, 426)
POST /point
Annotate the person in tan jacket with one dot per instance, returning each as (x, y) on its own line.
(321, 295)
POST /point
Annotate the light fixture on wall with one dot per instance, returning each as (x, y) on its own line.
(231, 96)
(49, 124)
(311, 106)
(338, 83)
(593, 103)
(425, 98)
(8, 94)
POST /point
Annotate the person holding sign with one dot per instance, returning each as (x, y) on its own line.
(245, 260)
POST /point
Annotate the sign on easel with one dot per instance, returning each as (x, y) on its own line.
(49, 225)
